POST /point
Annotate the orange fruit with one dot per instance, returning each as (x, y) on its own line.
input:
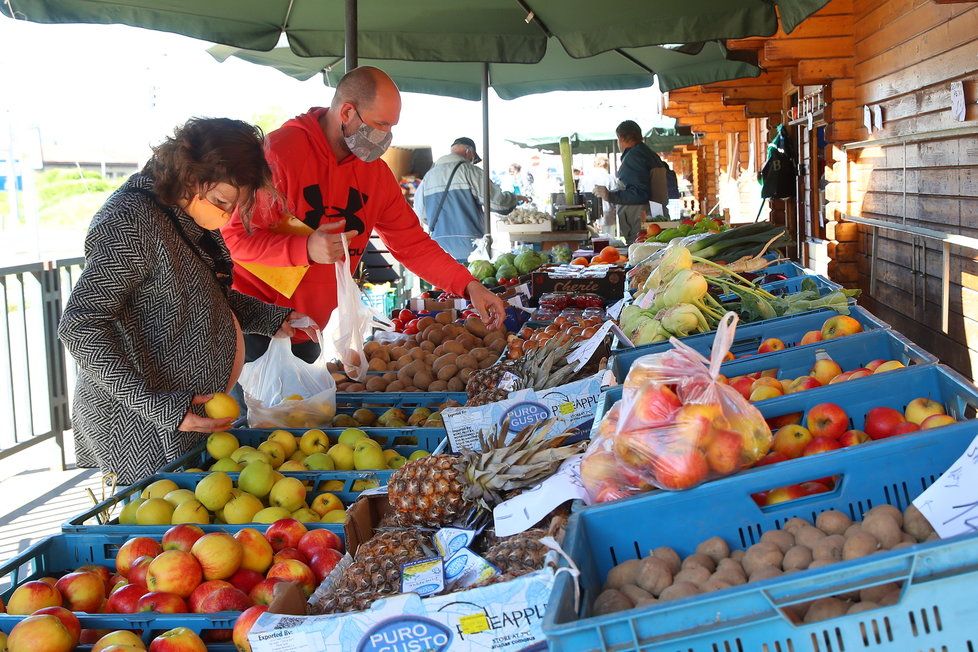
(579, 261)
(609, 254)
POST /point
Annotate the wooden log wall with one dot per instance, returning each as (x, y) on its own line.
(907, 53)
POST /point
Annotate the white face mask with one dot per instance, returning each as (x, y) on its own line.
(367, 143)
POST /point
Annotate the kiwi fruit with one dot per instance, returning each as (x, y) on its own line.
(422, 380)
(375, 384)
(447, 372)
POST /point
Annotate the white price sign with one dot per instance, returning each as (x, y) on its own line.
(951, 503)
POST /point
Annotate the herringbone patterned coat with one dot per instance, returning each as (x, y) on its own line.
(150, 326)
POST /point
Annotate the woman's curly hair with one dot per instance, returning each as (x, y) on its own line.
(205, 151)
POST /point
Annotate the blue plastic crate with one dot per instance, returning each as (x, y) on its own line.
(348, 401)
(748, 338)
(787, 267)
(792, 285)
(62, 553)
(87, 521)
(850, 352)
(428, 439)
(937, 610)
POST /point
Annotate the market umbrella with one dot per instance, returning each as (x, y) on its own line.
(603, 142)
(615, 70)
(434, 30)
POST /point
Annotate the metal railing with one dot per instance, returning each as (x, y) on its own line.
(35, 380)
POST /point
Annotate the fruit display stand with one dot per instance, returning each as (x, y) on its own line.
(789, 329)
(792, 285)
(849, 353)
(378, 402)
(935, 610)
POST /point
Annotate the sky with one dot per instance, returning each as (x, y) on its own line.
(107, 89)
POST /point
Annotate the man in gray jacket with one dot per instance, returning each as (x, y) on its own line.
(450, 200)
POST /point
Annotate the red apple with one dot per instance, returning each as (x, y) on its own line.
(257, 551)
(821, 445)
(825, 370)
(82, 591)
(862, 372)
(181, 537)
(760, 498)
(174, 571)
(743, 385)
(776, 423)
(873, 364)
(725, 451)
(813, 488)
(936, 421)
(920, 408)
(771, 344)
(120, 639)
(164, 603)
(905, 427)
(204, 590)
(783, 494)
(115, 582)
(243, 625)
(43, 633)
(654, 406)
(827, 420)
(790, 441)
(132, 550)
(68, 619)
(137, 572)
(772, 458)
(31, 596)
(109, 578)
(853, 438)
(180, 639)
(317, 540)
(264, 591)
(224, 599)
(840, 326)
(289, 553)
(841, 378)
(323, 562)
(285, 533)
(90, 636)
(219, 555)
(882, 421)
(125, 599)
(245, 580)
(681, 469)
(802, 383)
(295, 571)
(810, 337)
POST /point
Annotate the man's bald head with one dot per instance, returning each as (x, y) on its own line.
(363, 86)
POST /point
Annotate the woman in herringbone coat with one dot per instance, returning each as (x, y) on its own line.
(152, 321)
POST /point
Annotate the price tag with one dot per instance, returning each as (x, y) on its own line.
(615, 310)
(868, 118)
(620, 335)
(646, 300)
(958, 101)
(951, 503)
(878, 116)
(473, 623)
(524, 511)
(583, 353)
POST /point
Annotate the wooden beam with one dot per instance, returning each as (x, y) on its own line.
(765, 107)
(753, 43)
(821, 71)
(753, 92)
(808, 48)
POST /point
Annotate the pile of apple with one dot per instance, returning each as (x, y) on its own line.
(55, 629)
(188, 571)
(827, 428)
(833, 328)
(763, 385)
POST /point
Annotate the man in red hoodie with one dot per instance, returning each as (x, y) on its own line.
(325, 164)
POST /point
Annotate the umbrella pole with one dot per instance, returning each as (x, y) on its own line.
(351, 54)
(487, 182)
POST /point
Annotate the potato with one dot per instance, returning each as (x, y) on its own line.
(765, 573)
(668, 555)
(876, 593)
(890, 598)
(405, 360)
(485, 363)
(819, 563)
(480, 353)
(467, 361)
(933, 536)
(654, 575)
(825, 608)
(731, 568)
(445, 316)
(396, 386)
(438, 386)
(425, 322)
(762, 554)
(435, 335)
(624, 573)
(456, 385)
(808, 536)
(852, 529)
(829, 548)
(376, 364)
(371, 348)
(882, 526)
(635, 594)
(860, 607)
(422, 380)
(783, 540)
(859, 545)
(443, 361)
(797, 558)
(497, 347)
(699, 559)
(429, 359)
(452, 346)
(892, 511)
(343, 387)
(916, 524)
(715, 583)
(833, 522)
(715, 548)
(694, 574)
(427, 347)
(679, 590)
(645, 602)
(447, 372)
(389, 377)
(397, 352)
(418, 353)
(475, 326)
(376, 384)
(738, 555)
(356, 387)
(611, 601)
(793, 524)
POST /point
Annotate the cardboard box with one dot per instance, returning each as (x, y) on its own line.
(430, 305)
(610, 286)
(362, 518)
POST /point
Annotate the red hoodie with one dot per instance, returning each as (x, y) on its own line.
(317, 187)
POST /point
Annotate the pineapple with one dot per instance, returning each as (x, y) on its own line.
(519, 554)
(444, 489)
(541, 368)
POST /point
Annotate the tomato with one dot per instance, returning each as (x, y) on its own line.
(405, 315)
(413, 322)
(398, 325)
(411, 329)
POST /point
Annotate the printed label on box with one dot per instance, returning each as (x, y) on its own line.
(424, 577)
(465, 569)
(450, 540)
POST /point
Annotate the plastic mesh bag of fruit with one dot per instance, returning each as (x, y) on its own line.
(676, 426)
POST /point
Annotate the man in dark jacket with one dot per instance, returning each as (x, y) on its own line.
(634, 192)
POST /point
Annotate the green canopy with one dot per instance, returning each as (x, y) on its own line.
(615, 70)
(514, 31)
(604, 142)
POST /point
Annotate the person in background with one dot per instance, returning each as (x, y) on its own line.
(152, 321)
(515, 182)
(326, 164)
(451, 198)
(633, 196)
(599, 175)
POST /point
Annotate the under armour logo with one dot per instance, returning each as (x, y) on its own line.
(318, 210)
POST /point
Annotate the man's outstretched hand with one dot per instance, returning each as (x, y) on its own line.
(491, 308)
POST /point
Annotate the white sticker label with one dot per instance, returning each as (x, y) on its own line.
(524, 511)
(586, 349)
(951, 503)
(424, 577)
(615, 310)
(508, 381)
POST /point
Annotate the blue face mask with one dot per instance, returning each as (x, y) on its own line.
(367, 143)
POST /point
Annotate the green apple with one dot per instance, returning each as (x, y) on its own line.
(320, 462)
(417, 455)
(314, 441)
(242, 509)
(214, 491)
(342, 456)
(256, 456)
(363, 485)
(191, 512)
(128, 514)
(158, 489)
(221, 444)
(275, 451)
(257, 479)
(239, 453)
(396, 462)
(154, 511)
(351, 436)
(368, 456)
(288, 493)
(271, 514)
(178, 497)
(227, 465)
(305, 515)
(286, 440)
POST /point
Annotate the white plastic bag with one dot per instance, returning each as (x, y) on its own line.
(351, 322)
(283, 391)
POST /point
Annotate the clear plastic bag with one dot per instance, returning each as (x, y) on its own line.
(677, 425)
(283, 391)
(351, 322)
